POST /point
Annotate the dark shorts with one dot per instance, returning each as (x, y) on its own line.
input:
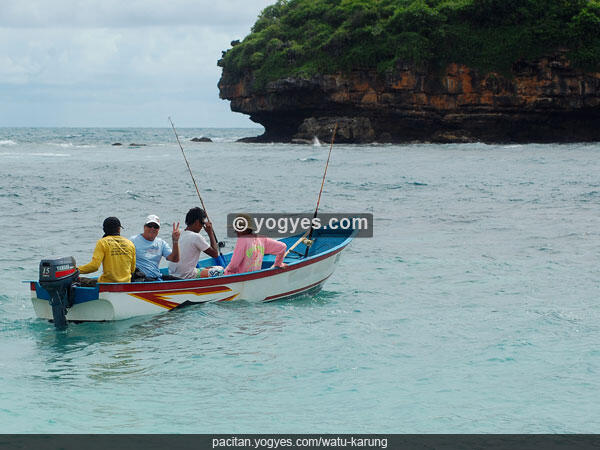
(140, 277)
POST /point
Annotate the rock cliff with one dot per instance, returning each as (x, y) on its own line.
(541, 101)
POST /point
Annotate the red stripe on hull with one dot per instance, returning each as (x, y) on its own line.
(160, 297)
(305, 288)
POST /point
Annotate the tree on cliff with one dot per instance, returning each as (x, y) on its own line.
(308, 37)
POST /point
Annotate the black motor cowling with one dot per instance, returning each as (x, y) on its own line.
(56, 277)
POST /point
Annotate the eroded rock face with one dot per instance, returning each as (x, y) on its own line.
(544, 101)
(350, 129)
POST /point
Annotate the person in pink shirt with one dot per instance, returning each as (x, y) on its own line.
(250, 249)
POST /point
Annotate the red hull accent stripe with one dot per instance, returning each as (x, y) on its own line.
(160, 297)
(285, 294)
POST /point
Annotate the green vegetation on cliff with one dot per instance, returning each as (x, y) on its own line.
(307, 37)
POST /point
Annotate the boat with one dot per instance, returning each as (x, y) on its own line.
(304, 275)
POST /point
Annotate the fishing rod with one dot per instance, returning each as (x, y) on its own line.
(321, 191)
(219, 244)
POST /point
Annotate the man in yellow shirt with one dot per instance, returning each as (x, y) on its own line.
(114, 252)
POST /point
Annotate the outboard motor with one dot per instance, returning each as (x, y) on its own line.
(56, 277)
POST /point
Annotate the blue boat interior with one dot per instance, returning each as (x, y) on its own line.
(324, 240)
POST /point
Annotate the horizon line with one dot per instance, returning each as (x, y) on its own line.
(124, 127)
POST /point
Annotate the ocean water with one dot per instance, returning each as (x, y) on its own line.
(473, 309)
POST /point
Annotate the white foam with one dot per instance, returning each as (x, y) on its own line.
(7, 142)
(61, 144)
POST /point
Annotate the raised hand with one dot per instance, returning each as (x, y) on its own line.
(176, 232)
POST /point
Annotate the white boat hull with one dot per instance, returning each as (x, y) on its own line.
(117, 301)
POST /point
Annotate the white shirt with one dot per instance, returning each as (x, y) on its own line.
(191, 246)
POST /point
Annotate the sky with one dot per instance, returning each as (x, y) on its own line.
(106, 63)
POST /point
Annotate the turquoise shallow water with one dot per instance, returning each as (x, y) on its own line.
(473, 309)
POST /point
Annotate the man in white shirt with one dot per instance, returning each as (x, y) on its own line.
(191, 246)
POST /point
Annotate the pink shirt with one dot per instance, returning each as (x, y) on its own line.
(249, 251)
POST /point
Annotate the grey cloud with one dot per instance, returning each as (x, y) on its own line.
(94, 63)
(131, 13)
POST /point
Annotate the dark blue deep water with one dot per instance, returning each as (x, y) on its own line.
(475, 308)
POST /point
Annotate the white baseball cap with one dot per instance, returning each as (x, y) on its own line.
(152, 218)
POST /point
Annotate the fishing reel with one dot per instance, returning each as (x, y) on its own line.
(307, 242)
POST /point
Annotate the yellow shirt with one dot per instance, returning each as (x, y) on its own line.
(117, 256)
